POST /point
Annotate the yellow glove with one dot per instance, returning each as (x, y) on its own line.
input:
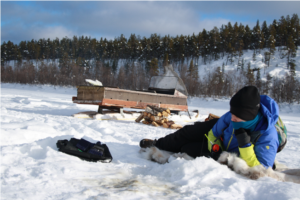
(213, 139)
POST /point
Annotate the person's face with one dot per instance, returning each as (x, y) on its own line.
(236, 119)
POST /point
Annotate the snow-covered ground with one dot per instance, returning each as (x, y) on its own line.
(33, 118)
(277, 68)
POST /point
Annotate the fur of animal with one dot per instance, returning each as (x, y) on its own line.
(240, 166)
(157, 155)
(232, 161)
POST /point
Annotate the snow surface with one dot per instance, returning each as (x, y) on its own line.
(33, 118)
(278, 67)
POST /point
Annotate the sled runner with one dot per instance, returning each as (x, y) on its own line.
(85, 150)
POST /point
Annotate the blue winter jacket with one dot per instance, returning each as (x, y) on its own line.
(264, 137)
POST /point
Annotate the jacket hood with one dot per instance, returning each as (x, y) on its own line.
(269, 109)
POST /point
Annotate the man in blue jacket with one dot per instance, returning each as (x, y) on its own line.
(248, 129)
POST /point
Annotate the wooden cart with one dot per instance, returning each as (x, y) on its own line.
(115, 98)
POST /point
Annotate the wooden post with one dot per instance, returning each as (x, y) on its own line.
(140, 117)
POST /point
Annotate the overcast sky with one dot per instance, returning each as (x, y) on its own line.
(39, 19)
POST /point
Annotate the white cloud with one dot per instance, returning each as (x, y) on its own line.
(18, 32)
(52, 32)
(111, 19)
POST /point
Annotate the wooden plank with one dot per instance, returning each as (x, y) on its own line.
(106, 96)
(115, 102)
(90, 93)
(143, 97)
(130, 104)
(133, 104)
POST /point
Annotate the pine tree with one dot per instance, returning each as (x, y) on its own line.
(2, 73)
(126, 66)
(204, 47)
(262, 41)
(267, 84)
(256, 36)
(193, 71)
(254, 56)
(258, 80)
(223, 68)
(114, 66)
(271, 40)
(250, 75)
(166, 60)
(265, 30)
(291, 50)
(231, 53)
(121, 78)
(295, 25)
(292, 68)
(289, 87)
(153, 67)
(242, 65)
(217, 81)
(271, 44)
(214, 43)
(267, 57)
(241, 46)
(65, 65)
(282, 30)
(247, 38)
(79, 61)
(258, 75)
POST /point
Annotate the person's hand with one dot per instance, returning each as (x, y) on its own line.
(242, 137)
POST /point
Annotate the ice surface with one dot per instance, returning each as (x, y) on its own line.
(33, 118)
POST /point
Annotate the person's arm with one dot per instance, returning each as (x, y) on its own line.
(248, 154)
(246, 148)
(215, 133)
(263, 152)
(266, 147)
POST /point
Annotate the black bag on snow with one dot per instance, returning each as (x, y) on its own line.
(85, 150)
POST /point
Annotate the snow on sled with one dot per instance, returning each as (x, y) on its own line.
(166, 91)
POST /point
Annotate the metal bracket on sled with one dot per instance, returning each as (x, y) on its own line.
(111, 109)
(121, 112)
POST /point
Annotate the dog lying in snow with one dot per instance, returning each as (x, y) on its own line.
(157, 155)
(240, 166)
(232, 161)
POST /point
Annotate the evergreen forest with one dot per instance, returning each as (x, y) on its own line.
(129, 63)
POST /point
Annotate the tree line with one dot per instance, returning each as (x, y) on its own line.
(228, 40)
(129, 63)
(217, 83)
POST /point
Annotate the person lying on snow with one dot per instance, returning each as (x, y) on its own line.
(248, 129)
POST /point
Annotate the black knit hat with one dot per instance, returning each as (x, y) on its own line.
(245, 103)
